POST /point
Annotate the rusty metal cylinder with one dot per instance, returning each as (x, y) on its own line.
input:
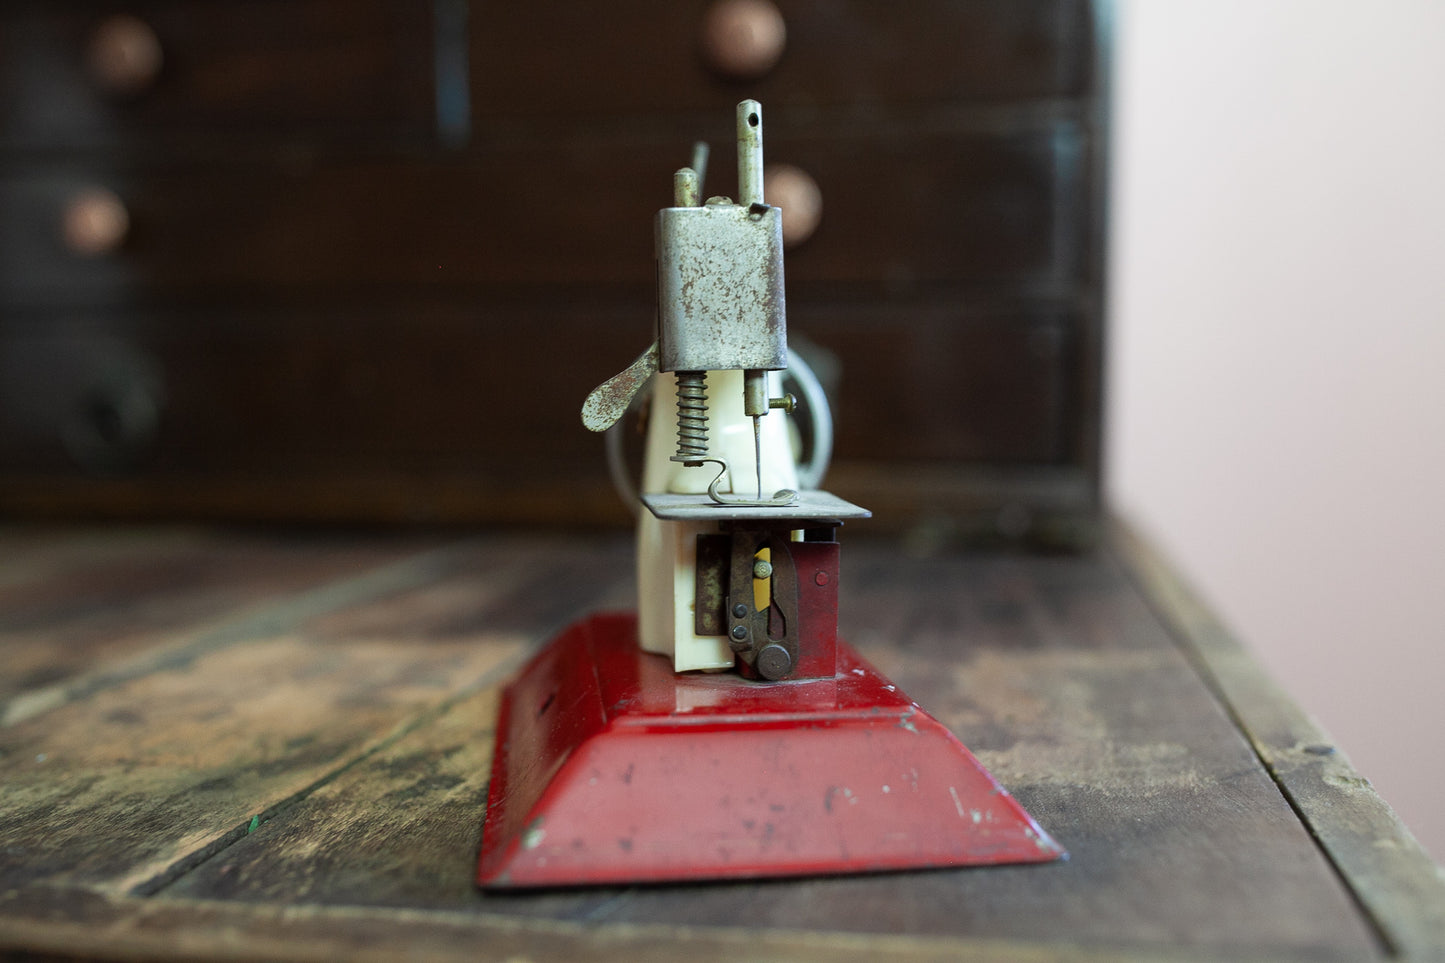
(685, 188)
(755, 393)
(750, 153)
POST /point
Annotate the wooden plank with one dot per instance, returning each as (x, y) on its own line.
(1396, 882)
(322, 388)
(930, 503)
(69, 604)
(837, 56)
(1057, 675)
(307, 412)
(945, 207)
(951, 385)
(37, 552)
(935, 505)
(555, 495)
(125, 789)
(130, 785)
(327, 68)
(90, 926)
(178, 649)
(400, 828)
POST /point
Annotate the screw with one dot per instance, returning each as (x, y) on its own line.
(821, 578)
(762, 569)
(740, 611)
(740, 632)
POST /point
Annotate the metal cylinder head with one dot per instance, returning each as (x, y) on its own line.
(750, 153)
(685, 188)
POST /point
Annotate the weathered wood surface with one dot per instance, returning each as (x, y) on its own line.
(305, 778)
(79, 602)
(1393, 878)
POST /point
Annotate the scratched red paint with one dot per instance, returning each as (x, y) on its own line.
(612, 768)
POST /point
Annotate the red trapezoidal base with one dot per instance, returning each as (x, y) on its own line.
(611, 768)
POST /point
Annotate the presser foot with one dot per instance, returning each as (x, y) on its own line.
(782, 498)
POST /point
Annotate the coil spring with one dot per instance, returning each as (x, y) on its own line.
(691, 417)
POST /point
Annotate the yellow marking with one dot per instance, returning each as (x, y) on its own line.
(763, 587)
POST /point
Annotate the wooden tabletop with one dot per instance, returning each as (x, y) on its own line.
(231, 744)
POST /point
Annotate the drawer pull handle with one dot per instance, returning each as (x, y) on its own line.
(794, 190)
(743, 39)
(94, 222)
(124, 56)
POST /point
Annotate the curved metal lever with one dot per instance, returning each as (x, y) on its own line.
(608, 401)
(781, 498)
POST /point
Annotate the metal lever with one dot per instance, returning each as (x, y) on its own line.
(609, 401)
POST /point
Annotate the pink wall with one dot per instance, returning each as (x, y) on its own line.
(1277, 370)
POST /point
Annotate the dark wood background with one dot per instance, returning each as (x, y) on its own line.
(379, 251)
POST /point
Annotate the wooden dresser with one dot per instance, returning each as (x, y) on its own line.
(362, 259)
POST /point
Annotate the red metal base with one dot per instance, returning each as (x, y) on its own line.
(611, 768)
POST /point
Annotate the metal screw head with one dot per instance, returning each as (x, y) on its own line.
(788, 403)
(740, 632)
(774, 662)
(740, 611)
(762, 569)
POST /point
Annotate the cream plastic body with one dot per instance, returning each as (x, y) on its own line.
(666, 550)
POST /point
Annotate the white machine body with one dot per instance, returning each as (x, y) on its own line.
(667, 550)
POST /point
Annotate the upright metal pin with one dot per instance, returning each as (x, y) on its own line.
(750, 153)
(685, 188)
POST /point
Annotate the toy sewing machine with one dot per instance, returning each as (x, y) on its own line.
(724, 731)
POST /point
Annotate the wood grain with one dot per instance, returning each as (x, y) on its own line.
(308, 780)
(89, 926)
(1400, 888)
(136, 775)
(932, 391)
(84, 602)
(337, 301)
(859, 54)
(956, 206)
(446, 408)
(335, 68)
(1052, 670)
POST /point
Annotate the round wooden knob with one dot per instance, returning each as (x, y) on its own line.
(743, 39)
(792, 189)
(124, 56)
(95, 222)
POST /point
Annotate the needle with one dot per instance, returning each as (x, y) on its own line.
(758, 453)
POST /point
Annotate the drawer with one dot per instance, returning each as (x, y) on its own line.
(946, 383)
(350, 387)
(559, 58)
(942, 208)
(951, 209)
(478, 387)
(313, 67)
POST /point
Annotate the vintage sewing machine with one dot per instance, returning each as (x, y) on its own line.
(723, 730)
